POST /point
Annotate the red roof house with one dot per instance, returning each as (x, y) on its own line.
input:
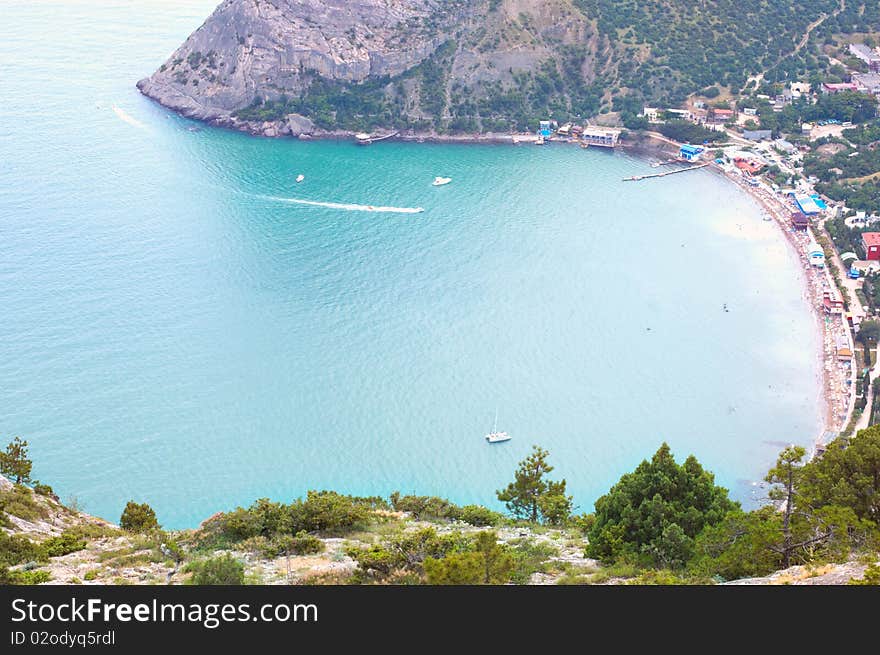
(871, 243)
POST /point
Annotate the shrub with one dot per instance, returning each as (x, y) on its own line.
(19, 501)
(328, 511)
(138, 518)
(66, 543)
(425, 507)
(305, 544)
(479, 516)
(222, 570)
(285, 544)
(31, 577)
(44, 489)
(92, 575)
(15, 549)
(240, 524)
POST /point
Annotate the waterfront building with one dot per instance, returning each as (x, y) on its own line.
(817, 257)
(688, 152)
(799, 222)
(832, 303)
(808, 204)
(844, 352)
(605, 137)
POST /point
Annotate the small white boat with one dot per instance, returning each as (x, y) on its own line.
(300, 178)
(440, 181)
(495, 436)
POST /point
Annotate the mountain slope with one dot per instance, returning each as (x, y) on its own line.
(481, 65)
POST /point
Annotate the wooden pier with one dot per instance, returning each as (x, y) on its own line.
(636, 178)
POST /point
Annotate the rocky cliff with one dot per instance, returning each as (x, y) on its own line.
(300, 66)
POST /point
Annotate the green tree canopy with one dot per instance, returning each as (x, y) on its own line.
(531, 495)
(869, 331)
(14, 461)
(654, 513)
(796, 529)
(848, 475)
(138, 517)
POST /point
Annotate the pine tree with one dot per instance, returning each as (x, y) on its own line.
(14, 462)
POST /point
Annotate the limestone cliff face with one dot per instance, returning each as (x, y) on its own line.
(250, 49)
(410, 62)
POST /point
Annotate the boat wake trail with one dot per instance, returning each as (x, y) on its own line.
(346, 206)
(128, 119)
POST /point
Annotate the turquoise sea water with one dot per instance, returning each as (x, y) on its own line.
(172, 330)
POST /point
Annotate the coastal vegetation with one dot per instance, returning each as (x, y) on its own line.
(663, 523)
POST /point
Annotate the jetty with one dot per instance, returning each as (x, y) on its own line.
(636, 178)
(364, 139)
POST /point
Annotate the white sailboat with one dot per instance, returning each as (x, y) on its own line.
(495, 436)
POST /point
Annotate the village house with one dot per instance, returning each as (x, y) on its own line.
(658, 115)
(866, 54)
(871, 244)
(719, 116)
(748, 165)
(867, 82)
(838, 87)
(785, 146)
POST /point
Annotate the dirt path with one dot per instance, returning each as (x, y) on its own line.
(803, 42)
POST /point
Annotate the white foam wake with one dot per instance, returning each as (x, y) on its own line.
(128, 119)
(348, 207)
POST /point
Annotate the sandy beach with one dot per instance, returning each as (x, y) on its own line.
(837, 382)
(837, 377)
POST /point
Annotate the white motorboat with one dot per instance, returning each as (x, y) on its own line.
(440, 181)
(495, 436)
(300, 177)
